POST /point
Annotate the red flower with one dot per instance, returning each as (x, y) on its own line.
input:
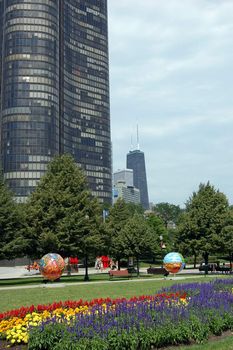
(21, 312)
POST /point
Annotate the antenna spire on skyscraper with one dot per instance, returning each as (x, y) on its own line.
(138, 139)
(131, 145)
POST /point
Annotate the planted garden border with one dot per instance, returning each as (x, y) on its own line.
(181, 314)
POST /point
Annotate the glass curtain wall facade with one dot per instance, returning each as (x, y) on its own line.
(55, 90)
(86, 122)
(30, 86)
(1, 11)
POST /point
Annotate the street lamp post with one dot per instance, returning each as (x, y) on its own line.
(86, 277)
(161, 243)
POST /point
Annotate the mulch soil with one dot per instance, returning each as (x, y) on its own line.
(3, 346)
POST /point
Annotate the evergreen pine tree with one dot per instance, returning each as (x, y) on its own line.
(63, 216)
(9, 224)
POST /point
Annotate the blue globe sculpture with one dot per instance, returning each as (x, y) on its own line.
(173, 262)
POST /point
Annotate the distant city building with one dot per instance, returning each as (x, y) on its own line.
(136, 161)
(54, 91)
(148, 212)
(130, 194)
(171, 225)
(123, 175)
(151, 206)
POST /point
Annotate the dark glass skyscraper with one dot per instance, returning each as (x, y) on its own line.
(136, 161)
(54, 90)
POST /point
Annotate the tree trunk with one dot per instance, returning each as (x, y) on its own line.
(195, 260)
(86, 277)
(137, 261)
(206, 259)
(231, 258)
(119, 263)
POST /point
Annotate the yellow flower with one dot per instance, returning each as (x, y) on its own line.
(25, 339)
(28, 316)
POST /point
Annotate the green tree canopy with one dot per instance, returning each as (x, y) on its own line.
(168, 212)
(119, 214)
(135, 208)
(227, 236)
(159, 231)
(157, 225)
(137, 238)
(62, 215)
(201, 225)
(10, 224)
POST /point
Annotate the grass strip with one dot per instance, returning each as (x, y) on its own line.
(16, 298)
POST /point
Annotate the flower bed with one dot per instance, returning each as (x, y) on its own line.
(180, 314)
(16, 324)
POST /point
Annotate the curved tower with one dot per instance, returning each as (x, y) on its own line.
(29, 99)
(54, 90)
(85, 104)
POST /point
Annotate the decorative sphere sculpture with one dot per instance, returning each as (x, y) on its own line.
(173, 262)
(51, 266)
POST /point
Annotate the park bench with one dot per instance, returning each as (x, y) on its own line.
(119, 273)
(157, 271)
(209, 267)
(223, 269)
(215, 268)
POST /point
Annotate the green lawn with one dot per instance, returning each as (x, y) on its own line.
(38, 279)
(44, 294)
(221, 344)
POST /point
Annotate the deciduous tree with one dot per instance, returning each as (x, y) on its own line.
(137, 238)
(117, 219)
(202, 223)
(227, 237)
(168, 212)
(160, 232)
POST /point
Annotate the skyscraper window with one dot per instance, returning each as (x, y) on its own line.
(54, 90)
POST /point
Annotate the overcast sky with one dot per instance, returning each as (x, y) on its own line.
(171, 73)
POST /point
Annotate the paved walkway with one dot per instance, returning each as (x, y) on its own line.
(21, 272)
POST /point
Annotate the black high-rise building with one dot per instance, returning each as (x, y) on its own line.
(54, 90)
(136, 161)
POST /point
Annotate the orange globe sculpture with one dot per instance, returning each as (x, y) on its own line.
(51, 266)
(173, 262)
